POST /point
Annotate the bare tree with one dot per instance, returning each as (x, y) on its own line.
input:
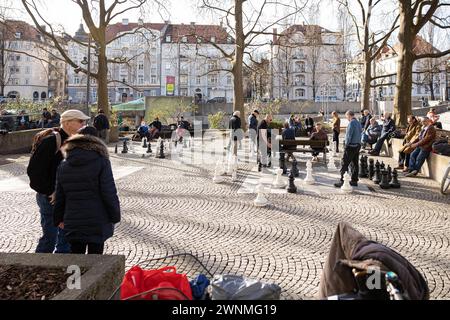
(414, 15)
(245, 20)
(102, 11)
(371, 42)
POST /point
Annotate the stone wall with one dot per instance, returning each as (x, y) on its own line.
(17, 142)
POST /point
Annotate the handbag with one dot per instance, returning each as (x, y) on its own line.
(158, 284)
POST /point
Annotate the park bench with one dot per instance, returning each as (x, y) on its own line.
(304, 146)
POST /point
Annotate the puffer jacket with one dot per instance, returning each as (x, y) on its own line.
(86, 195)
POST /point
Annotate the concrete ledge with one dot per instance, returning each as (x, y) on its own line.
(105, 273)
(434, 167)
(17, 142)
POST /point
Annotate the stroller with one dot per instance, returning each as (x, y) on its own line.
(360, 269)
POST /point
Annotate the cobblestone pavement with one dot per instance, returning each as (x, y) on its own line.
(170, 208)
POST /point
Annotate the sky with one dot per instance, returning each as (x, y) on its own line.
(68, 14)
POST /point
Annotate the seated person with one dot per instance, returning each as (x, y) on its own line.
(183, 126)
(318, 134)
(388, 128)
(155, 128)
(371, 134)
(412, 133)
(422, 147)
(288, 133)
(434, 117)
(23, 121)
(55, 119)
(143, 130)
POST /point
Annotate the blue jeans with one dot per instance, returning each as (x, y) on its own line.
(380, 142)
(52, 237)
(417, 159)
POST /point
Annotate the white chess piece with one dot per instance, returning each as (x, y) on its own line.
(217, 176)
(346, 187)
(261, 200)
(232, 162)
(333, 150)
(234, 177)
(132, 147)
(279, 183)
(309, 174)
(332, 164)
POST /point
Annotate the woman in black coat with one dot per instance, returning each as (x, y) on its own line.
(87, 205)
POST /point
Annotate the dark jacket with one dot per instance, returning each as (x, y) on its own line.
(235, 125)
(309, 122)
(426, 138)
(101, 122)
(374, 132)
(44, 163)
(365, 121)
(388, 126)
(253, 122)
(156, 124)
(289, 134)
(86, 195)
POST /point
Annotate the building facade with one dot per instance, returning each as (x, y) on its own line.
(154, 59)
(306, 64)
(30, 67)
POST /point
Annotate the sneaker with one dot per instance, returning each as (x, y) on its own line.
(400, 167)
(354, 183)
(339, 184)
(412, 173)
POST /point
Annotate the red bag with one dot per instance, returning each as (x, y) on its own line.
(166, 284)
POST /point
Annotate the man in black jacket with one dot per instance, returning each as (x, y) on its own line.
(101, 123)
(309, 124)
(42, 169)
(252, 130)
(236, 133)
(155, 128)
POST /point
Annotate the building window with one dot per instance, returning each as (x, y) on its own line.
(299, 66)
(76, 80)
(184, 39)
(299, 80)
(229, 79)
(169, 39)
(213, 39)
(17, 58)
(27, 70)
(199, 80)
(183, 79)
(13, 70)
(153, 93)
(212, 65)
(27, 81)
(184, 92)
(141, 80)
(141, 66)
(18, 35)
(15, 82)
(168, 66)
(212, 79)
(299, 92)
(153, 79)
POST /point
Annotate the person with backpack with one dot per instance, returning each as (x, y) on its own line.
(87, 205)
(45, 159)
(101, 123)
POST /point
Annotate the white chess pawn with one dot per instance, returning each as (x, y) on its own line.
(232, 161)
(279, 183)
(261, 200)
(309, 174)
(217, 176)
(332, 164)
(234, 177)
(346, 187)
(333, 150)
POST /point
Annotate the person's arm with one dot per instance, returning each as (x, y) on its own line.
(429, 136)
(350, 132)
(60, 203)
(108, 192)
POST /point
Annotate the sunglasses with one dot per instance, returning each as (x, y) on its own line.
(79, 121)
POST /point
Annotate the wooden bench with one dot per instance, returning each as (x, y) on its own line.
(319, 146)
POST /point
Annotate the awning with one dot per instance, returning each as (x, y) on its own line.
(135, 105)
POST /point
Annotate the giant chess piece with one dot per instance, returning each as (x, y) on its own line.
(294, 168)
(332, 164)
(377, 177)
(144, 142)
(363, 173)
(309, 174)
(382, 166)
(346, 187)
(279, 183)
(384, 180)
(261, 200)
(217, 174)
(292, 188)
(394, 183)
(125, 147)
(371, 168)
(333, 150)
(283, 162)
(149, 149)
(389, 171)
(259, 166)
(234, 176)
(232, 162)
(116, 149)
(132, 147)
(161, 154)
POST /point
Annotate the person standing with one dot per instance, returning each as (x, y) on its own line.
(252, 130)
(352, 148)
(264, 141)
(45, 159)
(309, 124)
(101, 123)
(336, 123)
(87, 205)
(236, 131)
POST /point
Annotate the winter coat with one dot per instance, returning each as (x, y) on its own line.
(426, 138)
(86, 195)
(412, 133)
(235, 125)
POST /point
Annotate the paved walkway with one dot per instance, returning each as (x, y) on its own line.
(171, 208)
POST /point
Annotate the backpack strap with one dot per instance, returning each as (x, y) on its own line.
(58, 141)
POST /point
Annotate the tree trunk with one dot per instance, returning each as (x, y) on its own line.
(238, 102)
(365, 101)
(432, 87)
(402, 99)
(102, 83)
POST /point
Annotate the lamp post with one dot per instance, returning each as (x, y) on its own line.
(87, 61)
